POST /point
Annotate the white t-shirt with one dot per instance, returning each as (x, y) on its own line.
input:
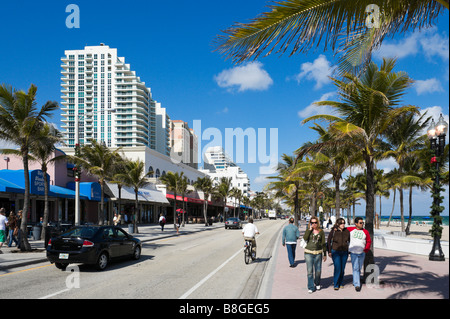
(3, 221)
(250, 230)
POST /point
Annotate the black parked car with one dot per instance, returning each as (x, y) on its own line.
(95, 245)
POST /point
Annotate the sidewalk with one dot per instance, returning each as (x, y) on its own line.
(11, 257)
(402, 276)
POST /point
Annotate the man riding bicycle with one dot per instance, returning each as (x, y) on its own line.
(249, 232)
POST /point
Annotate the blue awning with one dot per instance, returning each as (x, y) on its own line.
(90, 190)
(8, 187)
(58, 191)
(36, 185)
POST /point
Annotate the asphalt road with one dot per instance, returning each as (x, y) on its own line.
(205, 265)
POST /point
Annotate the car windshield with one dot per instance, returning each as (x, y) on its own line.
(83, 232)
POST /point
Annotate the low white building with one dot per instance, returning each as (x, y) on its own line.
(156, 162)
(218, 164)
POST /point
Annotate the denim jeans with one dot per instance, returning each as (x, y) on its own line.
(340, 258)
(357, 265)
(314, 269)
(12, 238)
(291, 253)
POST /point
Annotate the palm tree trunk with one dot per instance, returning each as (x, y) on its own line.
(337, 198)
(136, 208)
(370, 201)
(410, 211)
(393, 206)
(175, 210)
(402, 214)
(102, 204)
(46, 212)
(25, 245)
(205, 211)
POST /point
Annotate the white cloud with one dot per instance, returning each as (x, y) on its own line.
(223, 111)
(408, 46)
(429, 42)
(318, 71)
(313, 109)
(260, 180)
(7, 145)
(428, 86)
(250, 76)
(434, 44)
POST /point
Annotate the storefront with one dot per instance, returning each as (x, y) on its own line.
(61, 200)
(152, 202)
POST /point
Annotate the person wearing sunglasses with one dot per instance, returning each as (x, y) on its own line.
(360, 242)
(315, 250)
(337, 245)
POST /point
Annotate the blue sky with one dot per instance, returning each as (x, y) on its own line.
(169, 45)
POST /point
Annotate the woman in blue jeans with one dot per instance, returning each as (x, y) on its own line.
(338, 241)
(314, 250)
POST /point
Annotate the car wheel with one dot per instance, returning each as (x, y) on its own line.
(137, 253)
(102, 261)
(61, 266)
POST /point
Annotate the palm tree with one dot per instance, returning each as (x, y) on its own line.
(368, 106)
(98, 160)
(304, 24)
(222, 191)
(332, 159)
(118, 168)
(404, 137)
(42, 150)
(20, 120)
(136, 178)
(417, 178)
(172, 181)
(236, 193)
(183, 189)
(205, 184)
(287, 185)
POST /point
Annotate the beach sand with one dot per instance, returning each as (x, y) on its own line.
(417, 231)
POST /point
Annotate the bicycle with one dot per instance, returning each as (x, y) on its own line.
(248, 255)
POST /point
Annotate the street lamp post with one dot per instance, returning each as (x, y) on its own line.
(436, 134)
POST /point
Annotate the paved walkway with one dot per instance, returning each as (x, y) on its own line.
(401, 275)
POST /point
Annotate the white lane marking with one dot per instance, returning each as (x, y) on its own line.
(201, 282)
(55, 294)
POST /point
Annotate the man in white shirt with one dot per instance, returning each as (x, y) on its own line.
(3, 223)
(249, 232)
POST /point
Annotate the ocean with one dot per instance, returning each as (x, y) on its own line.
(420, 219)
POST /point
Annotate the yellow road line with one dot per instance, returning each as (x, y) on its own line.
(24, 270)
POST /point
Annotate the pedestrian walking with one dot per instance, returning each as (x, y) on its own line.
(3, 224)
(360, 242)
(13, 229)
(315, 251)
(162, 221)
(337, 245)
(289, 239)
(116, 219)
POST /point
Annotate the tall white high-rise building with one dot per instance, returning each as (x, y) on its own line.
(103, 99)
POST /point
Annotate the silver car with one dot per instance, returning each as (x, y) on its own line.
(233, 222)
